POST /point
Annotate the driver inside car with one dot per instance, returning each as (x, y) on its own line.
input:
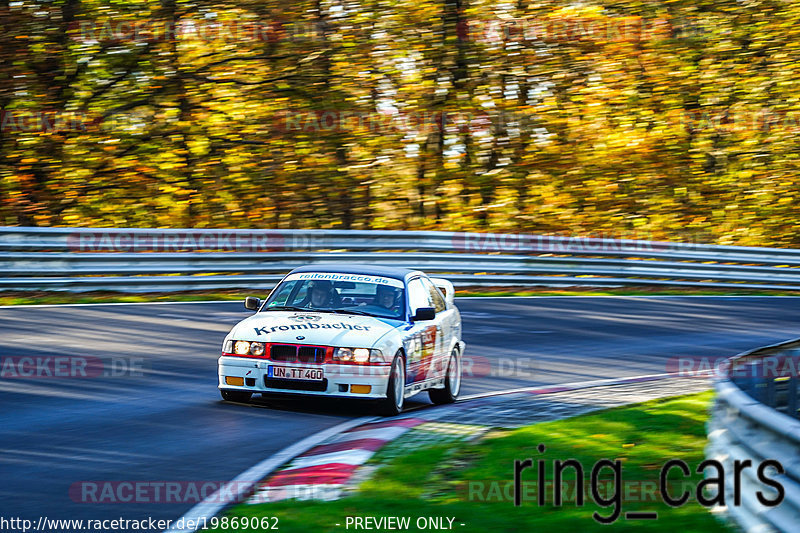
(386, 297)
(322, 294)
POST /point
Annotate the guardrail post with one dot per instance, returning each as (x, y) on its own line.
(751, 380)
(769, 392)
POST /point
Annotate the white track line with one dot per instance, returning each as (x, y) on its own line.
(575, 385)
(244, 482)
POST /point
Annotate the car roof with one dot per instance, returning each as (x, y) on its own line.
(372, 270)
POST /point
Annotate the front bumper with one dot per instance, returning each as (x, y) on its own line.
(338, 379)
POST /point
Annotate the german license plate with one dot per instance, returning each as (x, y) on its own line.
(291, 372)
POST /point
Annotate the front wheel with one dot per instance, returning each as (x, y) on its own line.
(452, 383)
(395, 390)
(235, 395)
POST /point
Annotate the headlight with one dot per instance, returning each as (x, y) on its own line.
(257, 348)
(343, 354)
(361, 355)
(241, 347)
(358, 355)
(244, 348)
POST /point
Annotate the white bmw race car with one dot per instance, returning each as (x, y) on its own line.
(376, 333)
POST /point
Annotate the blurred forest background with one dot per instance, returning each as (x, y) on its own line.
(661, 119)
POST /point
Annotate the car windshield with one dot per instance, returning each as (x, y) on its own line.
(357, 294)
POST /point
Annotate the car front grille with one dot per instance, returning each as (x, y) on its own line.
(283, 352)
(293, 353)
(311, 354)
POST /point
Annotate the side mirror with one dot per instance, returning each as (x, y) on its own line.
(252, 303)
(424, 313)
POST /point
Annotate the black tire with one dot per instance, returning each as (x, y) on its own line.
(452, 382)
(393, 403)
(236, 395)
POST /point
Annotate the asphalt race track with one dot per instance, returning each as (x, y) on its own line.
(166, 422)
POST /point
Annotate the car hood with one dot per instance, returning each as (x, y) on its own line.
(327, 329)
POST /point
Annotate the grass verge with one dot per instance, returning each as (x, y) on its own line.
(621, 291)
(53, 297)
(472, 482)
(50, 297)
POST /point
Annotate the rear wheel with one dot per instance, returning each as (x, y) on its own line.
(395, 390)
(452, 382)
(235, 395)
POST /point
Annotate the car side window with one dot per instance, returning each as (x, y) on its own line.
(417, 295)
(283, 293)
(301, 295)
(438, 302)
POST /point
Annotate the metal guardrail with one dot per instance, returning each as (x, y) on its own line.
(755, 417)
(140, 260)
